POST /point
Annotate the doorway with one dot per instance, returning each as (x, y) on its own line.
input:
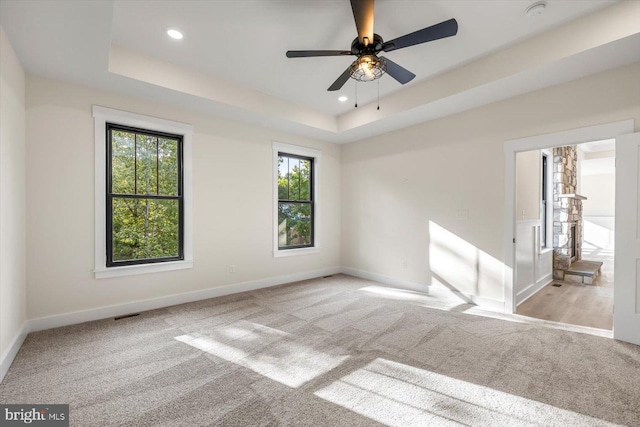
(559, 139)
(572, 250)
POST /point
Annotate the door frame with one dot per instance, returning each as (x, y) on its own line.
(538, 142)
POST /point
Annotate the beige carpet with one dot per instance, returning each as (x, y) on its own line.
(337, 351)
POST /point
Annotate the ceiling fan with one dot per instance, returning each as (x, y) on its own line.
(369, 66)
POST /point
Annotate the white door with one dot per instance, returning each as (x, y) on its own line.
(626, 289)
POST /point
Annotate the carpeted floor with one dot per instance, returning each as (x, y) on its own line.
(337, 351)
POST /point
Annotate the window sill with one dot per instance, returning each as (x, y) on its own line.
(129, 270)
(292, 252)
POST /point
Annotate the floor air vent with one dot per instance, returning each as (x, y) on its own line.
(126, 316)
(557, 285)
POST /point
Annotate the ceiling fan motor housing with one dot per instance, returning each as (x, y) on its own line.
(358, 48)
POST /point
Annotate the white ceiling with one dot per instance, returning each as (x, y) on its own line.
(240, 45)
(598, 146)
(245, 41)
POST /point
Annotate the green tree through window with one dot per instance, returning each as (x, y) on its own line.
(295, 201)
(144, 196)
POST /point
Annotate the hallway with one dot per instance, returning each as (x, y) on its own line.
(577, 304)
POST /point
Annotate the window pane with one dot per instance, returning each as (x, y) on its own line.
(294, 179)
(146, 159)
(122, 162)
(305, 181)
(168, 166)
(283, 182)
(294, 224)
(144, 228)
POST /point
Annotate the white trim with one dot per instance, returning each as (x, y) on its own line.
(293, 252)
(437, 291)
(12, 351)
(533, 288)
(569, 137)
(129, 270)
(387, 280)
(317, 223)
(102, 115)
(483, 302)
(166, 301)
(558, 139)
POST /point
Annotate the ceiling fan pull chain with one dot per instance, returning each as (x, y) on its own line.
(356, 94)
(378, 94)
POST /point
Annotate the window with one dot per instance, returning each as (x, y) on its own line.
(296, 200)
(546, 200)
(143, 187)
(543, 207)
(144, 196)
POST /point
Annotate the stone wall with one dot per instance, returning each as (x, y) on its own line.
(567, 211)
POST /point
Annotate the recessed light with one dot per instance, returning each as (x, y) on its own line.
(342, 98)
(174, 34)
(536, 9)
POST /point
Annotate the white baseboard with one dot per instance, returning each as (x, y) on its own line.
(483, 302)
(10, 354)
(533, 288)
(76, 317)
(387, 280)
(438, 291)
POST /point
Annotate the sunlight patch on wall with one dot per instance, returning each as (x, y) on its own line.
(396, 394)
(460, 266)
(598, 235)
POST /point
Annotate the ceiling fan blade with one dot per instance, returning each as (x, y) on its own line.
(337, 85)
(435, 32)
(312, 53)
(401, 74)
(363, 15)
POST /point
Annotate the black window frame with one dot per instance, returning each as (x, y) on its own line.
(544, 202)
(110, 127)
(311, 200)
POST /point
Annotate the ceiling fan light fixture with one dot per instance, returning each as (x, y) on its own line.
(367, 68)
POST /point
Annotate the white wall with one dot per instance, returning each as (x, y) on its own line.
(600, 193)
(599, 210)
(12, 200)
(534, 269)
(528, 174)
(400, 187)
(232, 203)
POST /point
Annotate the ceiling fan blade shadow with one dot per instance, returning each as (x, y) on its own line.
(337, 85)
(435, 32)
(401, 74)
(313, 53)
(363, 15)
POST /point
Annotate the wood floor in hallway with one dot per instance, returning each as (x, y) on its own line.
(577, 304)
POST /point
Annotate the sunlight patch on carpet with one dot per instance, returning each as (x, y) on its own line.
(275, 356)
(396, 394)
(397, 294)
